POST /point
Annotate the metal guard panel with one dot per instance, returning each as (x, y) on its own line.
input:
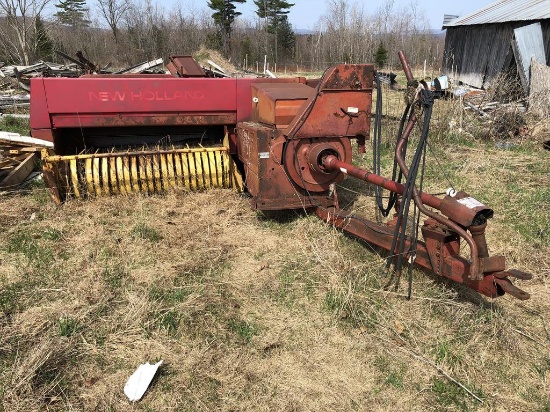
(39, 105)
(142, 119)
(139, 95)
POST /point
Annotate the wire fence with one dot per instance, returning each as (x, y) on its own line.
(446, 113)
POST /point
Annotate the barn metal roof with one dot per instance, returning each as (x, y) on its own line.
(504, 11)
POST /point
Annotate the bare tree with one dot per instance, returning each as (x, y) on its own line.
(21, 16)
(113, 11)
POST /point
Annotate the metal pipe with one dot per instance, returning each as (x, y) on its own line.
(478, 233)
(405, 64)
(331, 162)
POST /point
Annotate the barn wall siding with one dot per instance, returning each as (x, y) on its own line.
(476, 54)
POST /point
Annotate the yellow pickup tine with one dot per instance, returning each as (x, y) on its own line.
(152, 171)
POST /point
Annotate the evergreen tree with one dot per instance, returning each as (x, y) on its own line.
(286, 39)
(224, 15)
(72, 13)
(275, 14)
(42, 44)
(381, 55)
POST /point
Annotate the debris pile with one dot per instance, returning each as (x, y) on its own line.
(500, 111)
(19, 157)
(388, 79)
(12, 98)
(18, 77)
(481, 102)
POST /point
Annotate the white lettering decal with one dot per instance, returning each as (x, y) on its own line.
(148, 96)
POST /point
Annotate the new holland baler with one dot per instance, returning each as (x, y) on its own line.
(286, 142)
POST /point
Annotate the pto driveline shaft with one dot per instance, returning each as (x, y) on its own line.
(331, 162)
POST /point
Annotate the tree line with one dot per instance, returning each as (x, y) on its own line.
(126, 32)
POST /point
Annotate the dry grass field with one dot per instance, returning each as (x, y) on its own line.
(278, 312)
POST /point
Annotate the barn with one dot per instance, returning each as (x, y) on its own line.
(504, 35)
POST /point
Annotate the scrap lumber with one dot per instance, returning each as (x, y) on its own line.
(7, 162)
(476, 109)
(214, 65)
(21, 171)
(16, 115)
(141, 67)
(15, 78)
(14, 100)
(19, 157)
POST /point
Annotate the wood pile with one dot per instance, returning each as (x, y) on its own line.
(480, 102)
(15, 81)
(11, 98)
(18, 77)
(19, 157)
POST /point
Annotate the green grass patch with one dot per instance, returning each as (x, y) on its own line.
(171, 296)
(67, 326)
(168, 320)
(52, 234)
(37, 256)
(533, 223)
(14, 125)
(390, 374)
(295, 281)
(395, 378)
(243, 329)
(449, 395)
(142, 231)
(333, 302)
(444, 352)
(13, 295)
(115, 276)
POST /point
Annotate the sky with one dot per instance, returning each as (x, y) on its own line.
(306, 13)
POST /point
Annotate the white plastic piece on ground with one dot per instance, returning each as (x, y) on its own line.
(17, 138)
(140, 380)
(270, 74)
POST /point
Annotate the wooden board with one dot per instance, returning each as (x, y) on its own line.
(7, 162)
(21, 172)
